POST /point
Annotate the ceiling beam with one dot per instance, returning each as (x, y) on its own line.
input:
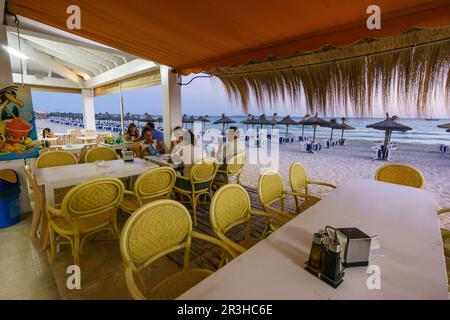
(39, 30)
(44, 81)
(67, 54)
(46, 61)
(124, 71)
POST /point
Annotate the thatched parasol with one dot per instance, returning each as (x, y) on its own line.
(345, 126)
(224, 120)
(333, 125)
(203, 120)
(274, 120)
(186, 119)
(388, 125)
(262, 120)
(307, 116)
(288, 121)
(247, 121)
(444, 126)
(314, 122)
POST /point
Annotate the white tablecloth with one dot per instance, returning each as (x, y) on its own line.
(410, 256)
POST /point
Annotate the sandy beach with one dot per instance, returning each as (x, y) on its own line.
(355, 160)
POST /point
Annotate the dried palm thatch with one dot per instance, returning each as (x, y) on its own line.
(413, 67)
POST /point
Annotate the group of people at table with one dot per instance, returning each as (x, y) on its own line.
(184, 148)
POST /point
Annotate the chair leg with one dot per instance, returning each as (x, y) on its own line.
(194, 208)
(52, 245)
(297, 207)
(76, 250)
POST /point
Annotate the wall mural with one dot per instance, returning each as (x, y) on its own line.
(18, 136)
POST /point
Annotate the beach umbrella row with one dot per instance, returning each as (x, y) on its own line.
(314, 122)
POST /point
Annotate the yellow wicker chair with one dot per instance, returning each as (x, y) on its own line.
(100, 153)
(445, 235)
(151, 185)
(198, 184)
(231, 172)
(153, 231)
(88, 208)
(230, 207)
(298, 179)
(400, 174)
(271, 191)
(38, 202)
(55, 159)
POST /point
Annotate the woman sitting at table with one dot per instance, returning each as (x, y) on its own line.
(188, 152)
(176, 137)
(148, 146)
(132, 133)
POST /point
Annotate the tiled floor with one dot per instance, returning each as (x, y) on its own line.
(25, 271)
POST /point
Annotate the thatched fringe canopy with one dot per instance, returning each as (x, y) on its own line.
(413, 67)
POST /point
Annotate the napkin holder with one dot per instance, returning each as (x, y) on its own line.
(127, 155)
(356, 247)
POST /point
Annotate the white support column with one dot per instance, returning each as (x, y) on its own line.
(5, 62)
(88, 109)
(171, 95)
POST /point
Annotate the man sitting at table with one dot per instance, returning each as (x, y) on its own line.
(188, 152)
(148, 146)
(158, 135)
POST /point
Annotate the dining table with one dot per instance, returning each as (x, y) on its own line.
(64, 176)
(406, 259)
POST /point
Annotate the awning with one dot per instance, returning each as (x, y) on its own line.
(198, 35)
(149, 79)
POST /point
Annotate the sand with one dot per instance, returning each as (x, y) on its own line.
(356, 160)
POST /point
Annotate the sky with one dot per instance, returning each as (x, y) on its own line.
(203, 96)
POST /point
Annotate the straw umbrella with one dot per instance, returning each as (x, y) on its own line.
(187, 120)
(224, 120)
(307, 116)
(345, 126)
(314, 122)
(333, 125)
(262, 120)
(444, 126)
(203, 120)
(247, 121)
(274, 120)
(288, 121)
(388, 125)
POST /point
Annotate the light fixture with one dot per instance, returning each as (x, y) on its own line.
(15, 52)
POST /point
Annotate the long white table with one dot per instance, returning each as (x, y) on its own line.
(64, 176)
(409, 253)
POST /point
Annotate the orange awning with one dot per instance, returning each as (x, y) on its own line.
(198, 35)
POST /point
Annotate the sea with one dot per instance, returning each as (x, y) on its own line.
(423, 131)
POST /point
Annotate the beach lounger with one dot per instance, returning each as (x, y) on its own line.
(444, 148)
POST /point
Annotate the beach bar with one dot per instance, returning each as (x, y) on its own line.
(202, 208)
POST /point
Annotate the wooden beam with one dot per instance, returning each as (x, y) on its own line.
(44, 81)
(47, 61)
(124, 71)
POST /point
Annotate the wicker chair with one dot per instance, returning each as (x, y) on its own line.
(88, 208)
(151, 185)
(198, 184)
(38, 202)
(445, 235)
(230, 207)
(271, 191)
(298, 180)
(402, 174)
(55, 159)
(153, 231)
(100, 153)
(231, 173)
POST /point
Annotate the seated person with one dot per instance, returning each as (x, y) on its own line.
(47, 133)
(187, 153)
(158, 135)
(176, 137)
(132, 133)
(226, 151)
(148, 146)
